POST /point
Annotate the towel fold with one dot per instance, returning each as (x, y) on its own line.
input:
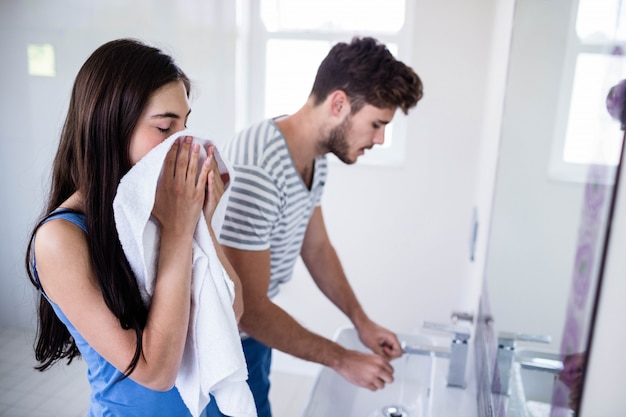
(213, 361)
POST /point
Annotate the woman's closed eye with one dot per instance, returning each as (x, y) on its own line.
(171, 128)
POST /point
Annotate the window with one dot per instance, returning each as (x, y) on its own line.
(585, 132)
(284, 42)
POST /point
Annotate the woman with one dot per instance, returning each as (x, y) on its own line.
(127, 98)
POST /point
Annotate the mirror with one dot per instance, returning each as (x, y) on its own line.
(552, 194)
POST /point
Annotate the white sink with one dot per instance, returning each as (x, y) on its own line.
(333, 396)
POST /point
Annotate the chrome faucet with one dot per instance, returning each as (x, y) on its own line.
(506, 354)
(456, 353)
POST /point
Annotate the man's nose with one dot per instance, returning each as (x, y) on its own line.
(379, 138)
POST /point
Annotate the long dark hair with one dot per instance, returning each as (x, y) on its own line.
(108, 97)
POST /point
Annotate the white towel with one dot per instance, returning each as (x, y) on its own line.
(213, 360)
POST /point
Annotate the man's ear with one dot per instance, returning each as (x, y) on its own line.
(339, 103)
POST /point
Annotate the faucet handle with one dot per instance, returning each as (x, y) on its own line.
(508, 339)
(460, 332)
(456, 316)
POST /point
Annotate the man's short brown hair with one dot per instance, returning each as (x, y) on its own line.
(369, 74)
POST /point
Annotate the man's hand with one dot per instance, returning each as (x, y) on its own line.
(365, 370)
(380, 340)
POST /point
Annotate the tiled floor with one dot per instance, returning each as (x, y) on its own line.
(63, 390)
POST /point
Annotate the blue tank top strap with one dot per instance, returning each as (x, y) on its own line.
(69, 215)
(65, 214)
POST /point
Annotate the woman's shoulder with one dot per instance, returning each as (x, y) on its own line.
(60, 231)
(70, 211)
(60, 244)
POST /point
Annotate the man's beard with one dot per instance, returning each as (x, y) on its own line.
(337, 142)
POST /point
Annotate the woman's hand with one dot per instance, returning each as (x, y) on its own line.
(179, 197)
(215, 191)
(215, 186)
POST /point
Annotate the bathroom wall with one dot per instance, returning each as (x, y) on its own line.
(535, 225)
(199, 34)
(402, 232)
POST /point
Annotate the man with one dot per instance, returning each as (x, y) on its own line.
(274, 212)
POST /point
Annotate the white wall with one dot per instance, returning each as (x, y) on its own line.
(536, 218)
(490, 139)
(401, 232)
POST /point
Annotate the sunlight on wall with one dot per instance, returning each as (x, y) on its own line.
(41, 62)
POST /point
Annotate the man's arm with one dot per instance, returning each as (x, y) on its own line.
(271, 325)
(322, 261)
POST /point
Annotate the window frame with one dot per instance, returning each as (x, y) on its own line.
(559, 168)
(251, 68)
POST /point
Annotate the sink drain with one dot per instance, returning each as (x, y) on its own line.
(394, 411)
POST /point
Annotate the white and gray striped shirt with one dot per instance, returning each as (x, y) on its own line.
(269, 204)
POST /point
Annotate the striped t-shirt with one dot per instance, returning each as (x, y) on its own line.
(269, 204)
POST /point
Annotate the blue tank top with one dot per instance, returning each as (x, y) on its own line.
(110, 395)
